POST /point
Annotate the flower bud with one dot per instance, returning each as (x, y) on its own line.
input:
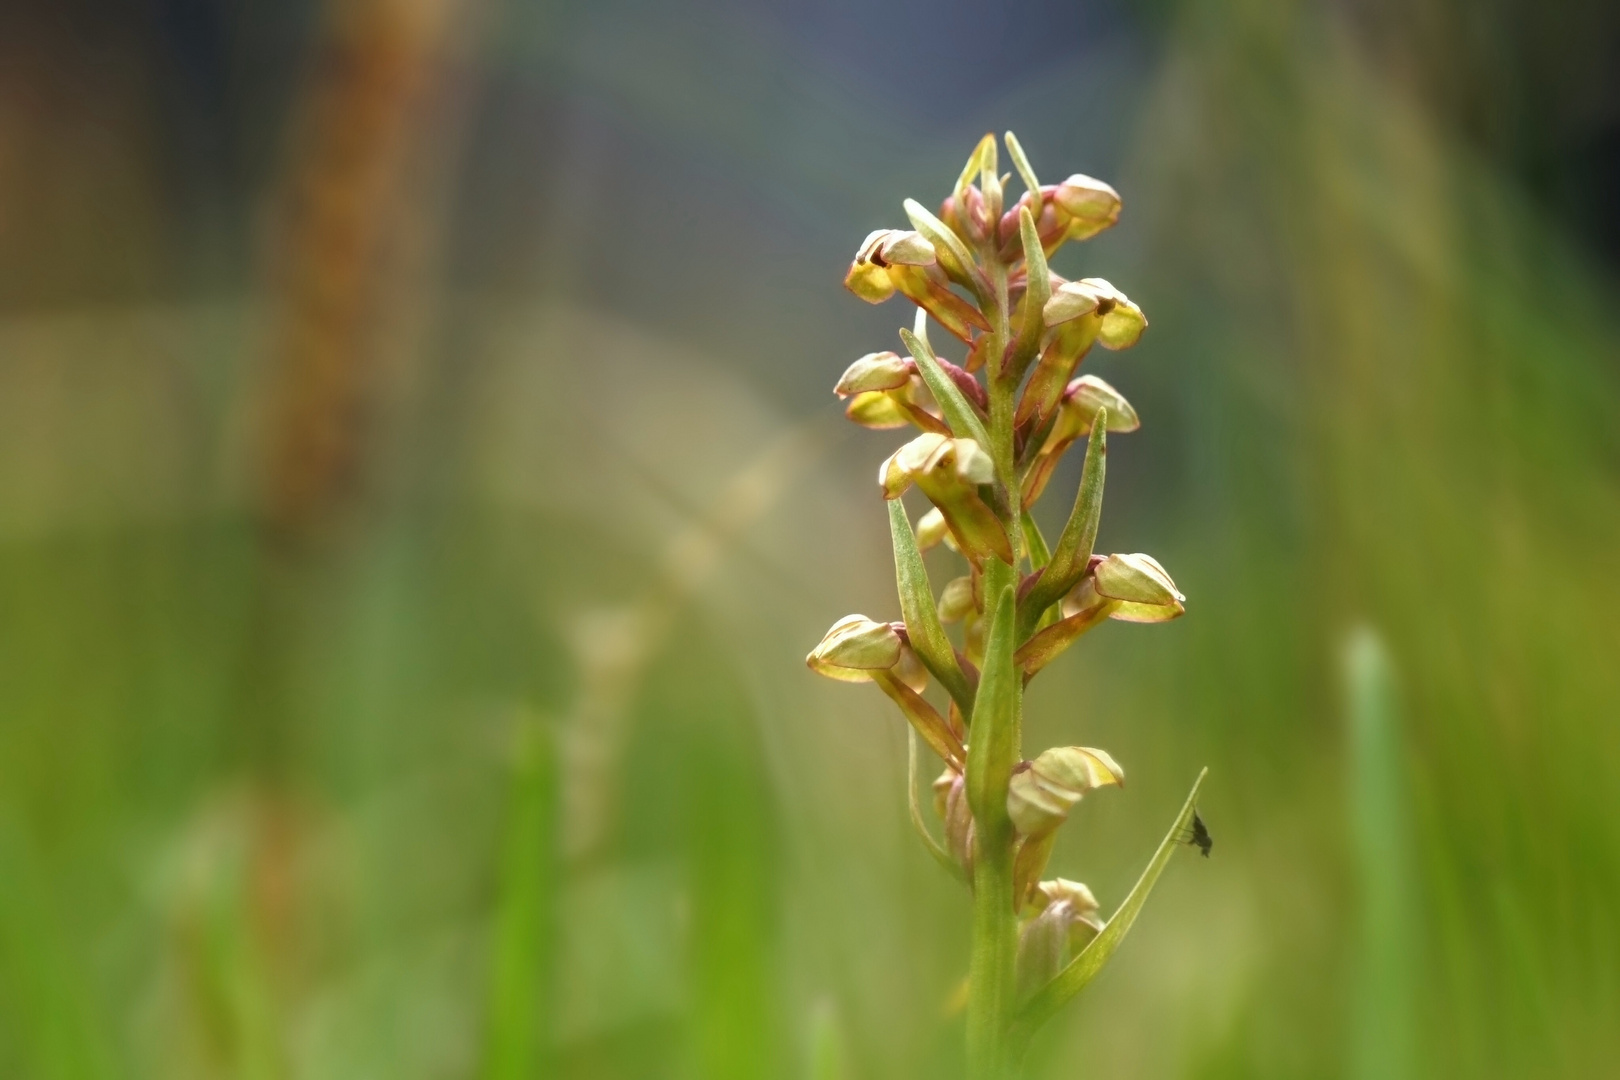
(968, 215)
(1142, 586)
(1043, 951)
(1083, 398)
(1043, 791)
(931, 529)
(1073, 903)
(950, 472)
(1066, 920)
(963, 209)
(994, 187)
(957, 602)
(1091, 206)
(973, 631)
(950, 800)
(1051, 224)
(1077, 209)
(856, 647)
(876, 371)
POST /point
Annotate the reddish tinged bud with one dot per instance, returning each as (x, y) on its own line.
(855, 648)
(971, 388)
(968, 217)
(1141, 586)
(875, 371)
(1082, 400)
(950, 801)
(957, 602)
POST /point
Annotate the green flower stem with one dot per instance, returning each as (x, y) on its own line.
(1003, 390)
(994, 748)
(992, 752)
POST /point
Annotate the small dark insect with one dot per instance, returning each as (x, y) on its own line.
(1198, 836)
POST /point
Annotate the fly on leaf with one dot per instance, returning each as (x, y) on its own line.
(1197, 835)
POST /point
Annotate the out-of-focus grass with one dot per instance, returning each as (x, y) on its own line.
(1387, 940)
(552, 792)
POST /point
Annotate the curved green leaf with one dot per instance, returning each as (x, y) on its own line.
(928, 639)
(953, 255)
(1083, 968)
(1015, 150)
(1035, 543)
(965, 423)
(1073, 551)
(1037, 292)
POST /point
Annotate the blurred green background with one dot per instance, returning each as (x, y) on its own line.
(420, 483)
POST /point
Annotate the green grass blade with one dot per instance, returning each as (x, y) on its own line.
(51, 1018)
(521, 945)
(1384, 1032)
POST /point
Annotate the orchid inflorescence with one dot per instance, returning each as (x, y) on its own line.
(991, 431)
